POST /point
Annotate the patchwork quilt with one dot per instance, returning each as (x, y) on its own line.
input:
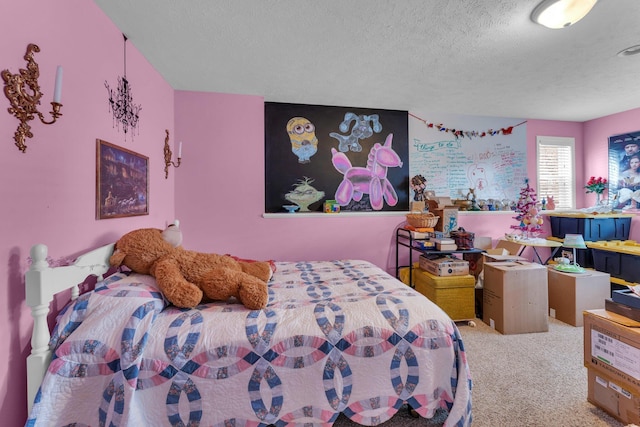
(336, 337)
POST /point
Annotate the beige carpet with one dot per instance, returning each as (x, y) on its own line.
(523, 380)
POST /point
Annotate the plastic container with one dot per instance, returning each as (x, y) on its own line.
(592, 229)
(620, 259)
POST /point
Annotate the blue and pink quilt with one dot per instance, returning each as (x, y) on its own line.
(336, 337)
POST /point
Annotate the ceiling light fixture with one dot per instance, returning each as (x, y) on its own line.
(561, 13)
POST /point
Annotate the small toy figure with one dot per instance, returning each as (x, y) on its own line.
(551, 204)
(418, 185)
(471, 195)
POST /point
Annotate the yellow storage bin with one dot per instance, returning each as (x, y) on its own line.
(453, 294)
(622, 246)
(619, 258)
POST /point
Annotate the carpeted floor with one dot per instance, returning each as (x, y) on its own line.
(536, 380)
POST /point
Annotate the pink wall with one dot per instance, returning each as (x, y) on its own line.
(220, 197)
(220, 191)
(48, 193)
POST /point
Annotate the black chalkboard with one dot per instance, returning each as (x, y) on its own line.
(306, 145)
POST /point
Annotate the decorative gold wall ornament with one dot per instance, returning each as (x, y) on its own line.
(24, 95)
(168, 154)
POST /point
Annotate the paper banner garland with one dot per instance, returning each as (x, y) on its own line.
(458, 133)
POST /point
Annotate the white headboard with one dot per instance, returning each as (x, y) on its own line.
(42, 282)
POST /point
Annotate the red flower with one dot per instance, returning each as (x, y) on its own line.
(596, 185)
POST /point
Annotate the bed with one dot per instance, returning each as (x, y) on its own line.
(337, 337)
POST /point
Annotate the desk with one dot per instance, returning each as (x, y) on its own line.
(554, 246)
(540, 243)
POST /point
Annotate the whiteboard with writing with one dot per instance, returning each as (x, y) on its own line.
(496, 166)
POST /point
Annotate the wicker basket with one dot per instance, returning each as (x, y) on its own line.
(422, 219)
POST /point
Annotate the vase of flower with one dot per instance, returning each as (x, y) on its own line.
(598, 186)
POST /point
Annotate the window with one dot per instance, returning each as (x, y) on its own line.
(556, 170)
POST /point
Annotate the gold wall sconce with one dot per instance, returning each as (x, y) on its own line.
(168, 154)
(24, 94)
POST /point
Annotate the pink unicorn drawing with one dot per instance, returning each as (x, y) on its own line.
(371, 180)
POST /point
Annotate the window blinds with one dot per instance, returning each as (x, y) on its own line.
(556, 176)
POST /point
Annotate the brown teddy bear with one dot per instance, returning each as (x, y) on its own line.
(187, 278)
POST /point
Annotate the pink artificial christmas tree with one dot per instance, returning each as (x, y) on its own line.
(529, 220)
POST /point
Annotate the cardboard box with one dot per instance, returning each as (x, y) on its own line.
(504, 251)
(444, 266)
(619, 401)
(571, 294)
(417, 206)
(501, 254)
(490, 254)
(444, 201)
(612, 346)
(515, 297)
(513, 248)
(455, 295)
(497, 251)
(448, 219)
(483, 242)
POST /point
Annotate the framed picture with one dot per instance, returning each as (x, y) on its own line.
(122, 182)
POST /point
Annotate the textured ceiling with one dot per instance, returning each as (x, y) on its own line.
(476, 57)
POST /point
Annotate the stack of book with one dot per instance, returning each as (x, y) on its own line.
(625, 302)
(445, 244)
(419, 232)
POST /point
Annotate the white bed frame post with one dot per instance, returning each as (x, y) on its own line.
(40, 355)
(42, 282)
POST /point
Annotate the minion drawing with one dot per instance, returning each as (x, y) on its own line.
(302, 134)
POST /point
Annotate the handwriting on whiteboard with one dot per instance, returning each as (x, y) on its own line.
(495, 166)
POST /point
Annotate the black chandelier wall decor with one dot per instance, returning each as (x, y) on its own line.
(125, 112)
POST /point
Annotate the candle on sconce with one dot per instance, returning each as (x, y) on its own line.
(57, 91)
(180, 150)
